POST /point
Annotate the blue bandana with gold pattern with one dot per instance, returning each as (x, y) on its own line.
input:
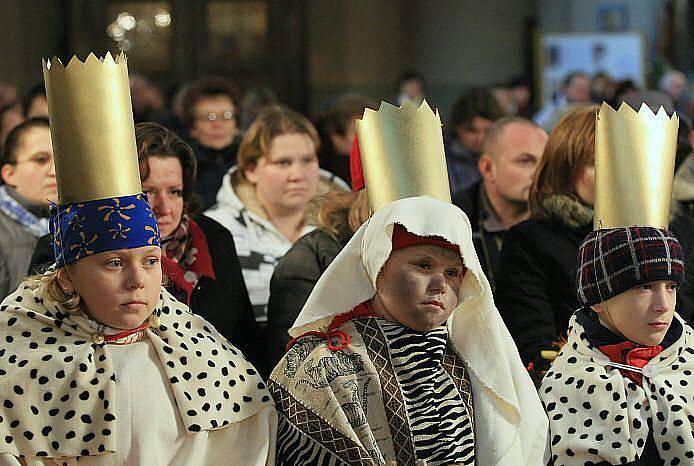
(85, 228)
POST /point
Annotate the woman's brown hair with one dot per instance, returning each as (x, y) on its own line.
(570, 148)
(341, 213)
(273, 121)
(154, 140)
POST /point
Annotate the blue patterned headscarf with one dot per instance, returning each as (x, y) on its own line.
(82, 229)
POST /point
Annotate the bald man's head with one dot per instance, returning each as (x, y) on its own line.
(495, 133)
(512, 149)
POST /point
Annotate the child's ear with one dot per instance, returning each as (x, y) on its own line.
(65, 282)
(597, 308)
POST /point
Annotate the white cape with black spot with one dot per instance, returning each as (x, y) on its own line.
(62, 395)
(596, 414)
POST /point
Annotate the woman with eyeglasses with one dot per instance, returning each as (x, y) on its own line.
(27, 185)
(210, 115)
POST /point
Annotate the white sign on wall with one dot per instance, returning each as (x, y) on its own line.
(621, 55)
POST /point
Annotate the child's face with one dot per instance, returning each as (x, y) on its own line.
(642, 314)
(419, 285)
(119, 288)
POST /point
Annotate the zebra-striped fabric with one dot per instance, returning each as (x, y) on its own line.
(441, 425)
(295, 448)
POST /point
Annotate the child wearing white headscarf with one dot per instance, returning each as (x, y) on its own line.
(358, 387)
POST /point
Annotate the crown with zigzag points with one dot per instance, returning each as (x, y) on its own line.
(402, 153)
(92, 128)
(634, 166)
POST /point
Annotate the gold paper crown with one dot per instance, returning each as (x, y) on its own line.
(92, 128)
(402, 153)
(634, 166)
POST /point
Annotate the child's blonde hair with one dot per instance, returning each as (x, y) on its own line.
(49, 286)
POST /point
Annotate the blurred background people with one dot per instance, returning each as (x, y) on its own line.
(263, 201)
(674, 84)
(211, 115)
(625, 89)
(9, 93)
(28, 185)
(683, 187)
(411, 87)
(34, 103)
(471, 116)
(511, 150)
(522, 97)
(11, 115)
(337, 128)
(147, 98)
(172, 116)
(576, 90)
(254, 101)
(603, 88)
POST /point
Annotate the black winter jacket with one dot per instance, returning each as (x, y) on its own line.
(223, 301)
(292, 282)
(535, 291)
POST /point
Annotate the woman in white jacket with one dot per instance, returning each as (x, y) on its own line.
(263, 200)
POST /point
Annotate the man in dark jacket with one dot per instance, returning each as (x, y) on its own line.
(512, 148)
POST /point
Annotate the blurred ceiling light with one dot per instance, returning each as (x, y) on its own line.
(115, 32)
(126, 21)
(162, 19)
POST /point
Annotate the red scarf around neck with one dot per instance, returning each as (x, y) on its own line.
(631, 354)
(187, 259)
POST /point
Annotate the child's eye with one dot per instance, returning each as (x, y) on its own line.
(177, 192)
(673, 286)
(453, 273)
(152, 261)
(114, 263)
(424, 265)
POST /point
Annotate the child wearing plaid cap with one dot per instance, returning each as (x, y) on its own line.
(621, 390)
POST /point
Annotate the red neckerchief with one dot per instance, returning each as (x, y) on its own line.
(631, 354)
(362, 310)
(194, 263)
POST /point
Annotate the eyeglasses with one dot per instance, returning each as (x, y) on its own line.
(213, 116)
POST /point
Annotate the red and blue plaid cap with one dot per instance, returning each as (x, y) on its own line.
(614, 260)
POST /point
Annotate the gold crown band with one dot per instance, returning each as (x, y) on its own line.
(634, 166)
(92, 128)
(402, 153)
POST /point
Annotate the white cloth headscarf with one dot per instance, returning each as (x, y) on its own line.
(511, 427)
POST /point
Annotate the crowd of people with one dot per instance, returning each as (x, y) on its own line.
(261, 216)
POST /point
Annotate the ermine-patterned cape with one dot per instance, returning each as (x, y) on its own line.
(58, 386)
(597, 415)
